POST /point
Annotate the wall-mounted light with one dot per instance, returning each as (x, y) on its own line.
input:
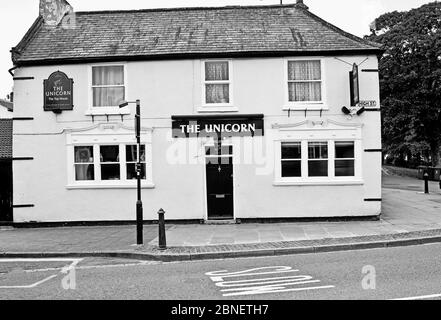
(345, 110)
(360, 111)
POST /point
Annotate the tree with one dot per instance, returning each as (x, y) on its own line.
(410, 81)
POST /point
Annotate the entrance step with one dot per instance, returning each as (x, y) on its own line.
(220, 222)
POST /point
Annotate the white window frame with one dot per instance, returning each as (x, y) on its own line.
(75, 139)
(306, 105)
(331, 179)
(106, 110)
(217, 107)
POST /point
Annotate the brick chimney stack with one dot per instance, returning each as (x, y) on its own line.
(300, 4)
(53, 11)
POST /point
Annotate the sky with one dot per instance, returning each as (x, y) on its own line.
(354, 16)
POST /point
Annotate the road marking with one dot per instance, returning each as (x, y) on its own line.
(142, 263)
(257, 285)
(220, 275)
(421, 297)
(29, 286)
(72, 265)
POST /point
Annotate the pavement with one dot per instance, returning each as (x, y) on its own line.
(409, 217)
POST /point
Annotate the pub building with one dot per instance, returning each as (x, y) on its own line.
(247, 113)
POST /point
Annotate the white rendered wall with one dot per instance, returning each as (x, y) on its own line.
(168, 88)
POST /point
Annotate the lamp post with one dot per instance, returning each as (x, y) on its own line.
(139, 214)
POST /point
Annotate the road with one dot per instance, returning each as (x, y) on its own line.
(405, 272)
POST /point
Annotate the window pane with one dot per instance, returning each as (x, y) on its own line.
(305, 91)
(216, 71)
(109, 153)
(217, 93)
(304, 70)
(344, 168)
(108, 76)
(344, 149)
(131, 153)
(292, 150)
(131, 171)
(84, 172)
(318, 150)
(318, 168)
(108, 97)
(291, 168)
(110, 172)
(84, 154)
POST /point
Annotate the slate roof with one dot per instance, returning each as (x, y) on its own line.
(186, 32)
(5, 138)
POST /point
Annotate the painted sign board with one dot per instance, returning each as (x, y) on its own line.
(354, 85)
(220, 126)
(58, 92)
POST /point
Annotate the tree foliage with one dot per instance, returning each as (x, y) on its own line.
(410, 80)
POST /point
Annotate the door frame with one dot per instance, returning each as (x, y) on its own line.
(228, 142)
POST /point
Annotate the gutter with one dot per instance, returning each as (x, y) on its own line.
(12, 69)
(195, 55)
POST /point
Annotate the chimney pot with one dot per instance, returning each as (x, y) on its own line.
(300, 4)
(53, 11)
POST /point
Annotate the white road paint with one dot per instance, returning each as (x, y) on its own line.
(142, 263)
(73, 263)
(220, 275)
(431, 296)
(262, 285)
(30, 286)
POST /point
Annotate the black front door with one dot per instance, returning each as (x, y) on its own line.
(5, 191)
(220, 188)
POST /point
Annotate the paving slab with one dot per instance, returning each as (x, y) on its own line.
(408, 217)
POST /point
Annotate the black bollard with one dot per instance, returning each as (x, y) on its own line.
(426, 183)
(162, 239)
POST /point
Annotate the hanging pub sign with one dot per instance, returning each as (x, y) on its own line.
(219, 126)
(354, 85)
(58, 92)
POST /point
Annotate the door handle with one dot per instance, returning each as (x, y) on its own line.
(220, 196)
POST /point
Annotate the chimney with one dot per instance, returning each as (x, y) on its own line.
(53, 11)
(300, 4)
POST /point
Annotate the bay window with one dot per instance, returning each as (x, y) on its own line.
(105, 156)
(316, 162)
(109, 165)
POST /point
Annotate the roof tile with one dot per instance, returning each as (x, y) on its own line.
(168, 32)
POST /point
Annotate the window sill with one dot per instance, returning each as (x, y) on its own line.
(217, 108)
(109, 186)
(319, 183)
(97, 111)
